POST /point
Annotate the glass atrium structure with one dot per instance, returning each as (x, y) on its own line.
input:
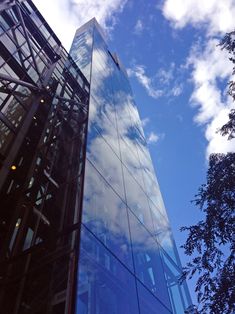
(43, 126)
(83, 228)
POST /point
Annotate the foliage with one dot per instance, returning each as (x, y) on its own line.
(229, 127)
(211, 241)
(228, 43)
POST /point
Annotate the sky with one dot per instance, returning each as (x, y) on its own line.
(179, 78)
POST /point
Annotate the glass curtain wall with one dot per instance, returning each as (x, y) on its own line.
(128, 262)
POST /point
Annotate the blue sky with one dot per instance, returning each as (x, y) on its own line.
(178, 76)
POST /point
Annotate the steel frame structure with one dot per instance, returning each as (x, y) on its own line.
(43, 128)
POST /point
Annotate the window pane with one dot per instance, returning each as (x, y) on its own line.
(105, 215)
(105, 286)
(5, 137)
(110, 166)
(178, 292)
(13, 111)
(147, 260)
(137, 200)
(148, 303)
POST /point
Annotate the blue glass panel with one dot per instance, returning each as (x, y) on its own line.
(163, 233)
(149, 178)
(105, 215)
(137, 200)
(185, 294)
(150, 181)
(101, 74)
(102, 111)
(81, 51)
(102, 119)
(137, 122)
(105, 286)
(131, 160)
(147, 260)
(148, 303)
(107, 163)
(160, 222)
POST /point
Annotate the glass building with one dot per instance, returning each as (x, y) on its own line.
(128, 262)
(83, 227)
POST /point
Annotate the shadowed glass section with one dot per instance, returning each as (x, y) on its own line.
(104, 284)
(148, 303)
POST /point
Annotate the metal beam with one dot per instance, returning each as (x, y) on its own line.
(6, 4)
(11, 79)
(72, 101)
(18, 8)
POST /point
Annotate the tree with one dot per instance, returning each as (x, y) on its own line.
(211, 242)
(212, 239)
(229, 127)
(228, 42)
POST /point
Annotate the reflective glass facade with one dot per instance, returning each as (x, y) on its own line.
(128, 262)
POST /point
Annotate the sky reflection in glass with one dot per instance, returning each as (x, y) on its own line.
(126, 244)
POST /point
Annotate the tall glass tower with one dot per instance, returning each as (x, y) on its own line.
(128, 262)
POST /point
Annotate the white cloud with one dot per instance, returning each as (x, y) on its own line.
(166, 76)
(153, 138)
(216, 15)
(104, 11)
(138, 29)
(65, 16)
(211, 69)
(177, 90)
(144, 122)
(145, 81)
(210, 66)
(160, 84)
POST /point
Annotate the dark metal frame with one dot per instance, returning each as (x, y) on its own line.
(40, 215)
